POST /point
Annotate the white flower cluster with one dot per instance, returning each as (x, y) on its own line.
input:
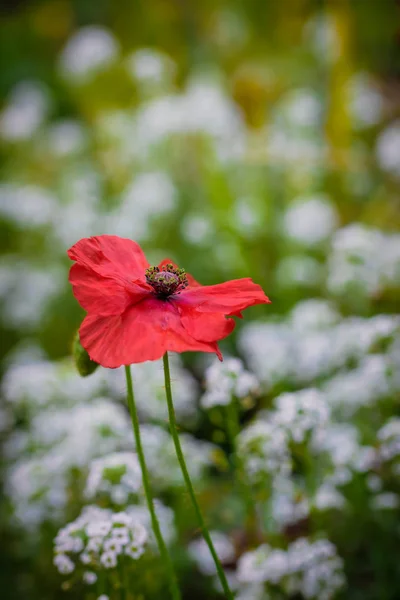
(74, 436)
(200, 552)
(65, 138)
(301, 413)
(366, 103)
(95, 541)
(318, 570)
(283, 352)
(150, 67)
(287, 504)
(35, 385)
(31, 206)
(340, 442)
(313, 315)
(299, 271)
(346, 395)
(327, 497)
(385, 501)
(117, 476)
(90, 50)
(25, 111)
(389, 442)
(27, 205)
(386, 149)
(363, 261)
(301, 107)
(20, 279)
(165, 516)
(310, 221)
(263, 450)
(201, 108)
(227, 380)
(262, 565)
(293, 134)
(69, 425)
(312, 569)
(149, 196)
(37, 490)
(59, 442)
(149, 388)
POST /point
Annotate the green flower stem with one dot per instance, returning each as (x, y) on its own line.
(186, 476)
(173, 583)
(233, 429)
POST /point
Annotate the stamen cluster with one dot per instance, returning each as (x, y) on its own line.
(166, 281)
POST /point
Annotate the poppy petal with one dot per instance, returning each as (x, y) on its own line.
(228, 298)
(104, 295)
(111, 256)
(206, 327)
(143, 332)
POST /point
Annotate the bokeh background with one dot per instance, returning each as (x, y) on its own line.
(256, 138)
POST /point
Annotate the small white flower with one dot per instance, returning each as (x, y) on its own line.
(225, 380)
(99, 528)
(387, 148)
(64, 564)
(121, 534)
(77, 544)
(121, 518)
(90, 50)
(385, 500)
(89, 577)
(328, 497)
(116, 474)
(300, 413)
(25, 111)
(150, 66)
(252, 566)
(85, 558)
(138, 533)
(108, 559)
(200, 552)
(263, 448)
(310, 221)
(64, 545)
(113, 545)
(134, 551)
(119, 495)
(94, 544)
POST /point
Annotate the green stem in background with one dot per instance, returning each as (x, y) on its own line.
(233, 429)
(189, 485)
(173, 583)
(122, 583)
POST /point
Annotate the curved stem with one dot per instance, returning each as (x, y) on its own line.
(173, 583)
(189, 485)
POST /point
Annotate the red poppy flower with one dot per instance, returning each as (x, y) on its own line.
(136, 312)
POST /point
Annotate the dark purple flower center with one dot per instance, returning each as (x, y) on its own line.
(166, 281)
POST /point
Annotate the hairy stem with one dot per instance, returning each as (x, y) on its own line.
(188, 482)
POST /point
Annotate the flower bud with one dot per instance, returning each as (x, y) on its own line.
(83, 362)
